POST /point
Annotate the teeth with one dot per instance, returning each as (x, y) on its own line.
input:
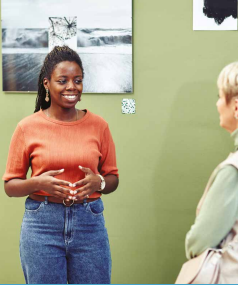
(70, 97)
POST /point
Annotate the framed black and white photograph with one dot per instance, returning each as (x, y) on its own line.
(100, 31)
(215, 15)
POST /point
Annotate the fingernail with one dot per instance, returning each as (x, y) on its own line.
(74, 198)
(75, 192)
(70, 197)
(71, 185)
(62, 169)
(67, 200)
(72, 192)
(80, 167)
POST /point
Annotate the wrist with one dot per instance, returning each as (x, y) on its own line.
(35, 183)
(102, 183)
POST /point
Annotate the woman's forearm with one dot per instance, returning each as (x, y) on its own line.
(25, 187)
(21, 187)
(112, 182)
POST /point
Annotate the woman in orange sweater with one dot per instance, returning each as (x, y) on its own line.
(72, 157)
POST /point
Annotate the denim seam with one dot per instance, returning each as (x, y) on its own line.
(88, 209)
(20, 243)
(72, 224)
(66, 226)
(36, 210)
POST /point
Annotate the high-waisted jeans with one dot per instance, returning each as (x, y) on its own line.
(61, 244)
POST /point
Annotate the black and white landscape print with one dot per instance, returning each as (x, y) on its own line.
(104, 42)
(214, 14)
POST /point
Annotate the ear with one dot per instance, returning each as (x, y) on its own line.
(236, 104)
(236, 107)
(46, 83)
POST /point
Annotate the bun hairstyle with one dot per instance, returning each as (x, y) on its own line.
(57, 55)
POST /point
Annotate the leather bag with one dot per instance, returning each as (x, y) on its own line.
(203, 269)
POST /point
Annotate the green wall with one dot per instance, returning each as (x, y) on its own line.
(165, 152)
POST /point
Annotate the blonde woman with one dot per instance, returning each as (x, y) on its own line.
(217, 211)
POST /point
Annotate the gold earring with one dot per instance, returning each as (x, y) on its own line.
(47, 97)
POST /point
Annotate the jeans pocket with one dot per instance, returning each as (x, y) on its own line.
(96, 207)
(33, 205)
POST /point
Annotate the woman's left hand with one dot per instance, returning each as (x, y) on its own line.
(91, 183)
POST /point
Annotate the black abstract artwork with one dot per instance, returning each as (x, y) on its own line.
(219, 10)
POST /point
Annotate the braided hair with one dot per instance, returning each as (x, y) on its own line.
(57, 55)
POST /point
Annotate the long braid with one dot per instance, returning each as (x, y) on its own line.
(57, 55)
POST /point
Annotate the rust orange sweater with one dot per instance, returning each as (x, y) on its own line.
(44, 144)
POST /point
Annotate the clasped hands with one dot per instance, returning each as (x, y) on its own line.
(88, 185)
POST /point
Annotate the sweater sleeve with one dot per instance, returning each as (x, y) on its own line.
(107, 163)
(217, 215)
(18, 160)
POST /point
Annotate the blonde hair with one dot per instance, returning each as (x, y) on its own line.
(228, 81)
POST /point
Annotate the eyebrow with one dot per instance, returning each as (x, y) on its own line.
(65, 76)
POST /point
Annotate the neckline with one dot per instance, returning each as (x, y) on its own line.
(65, 123)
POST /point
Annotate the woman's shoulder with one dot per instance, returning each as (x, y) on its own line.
(31, 120)
(231, 160)
(228, 169)
(228, 174)
(97, 119)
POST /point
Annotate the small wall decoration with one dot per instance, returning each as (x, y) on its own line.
(128, 106)
(214, 14)
(100, 31)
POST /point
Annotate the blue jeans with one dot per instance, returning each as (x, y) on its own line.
(61, 244)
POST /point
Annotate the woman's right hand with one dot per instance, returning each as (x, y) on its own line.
(53, 186)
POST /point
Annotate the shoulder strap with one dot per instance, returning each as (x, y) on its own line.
(232, 159)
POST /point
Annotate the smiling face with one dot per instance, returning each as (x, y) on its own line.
(65, 85)
(227, 112)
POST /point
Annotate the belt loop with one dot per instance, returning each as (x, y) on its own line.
(46, 200)
(85, 202)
